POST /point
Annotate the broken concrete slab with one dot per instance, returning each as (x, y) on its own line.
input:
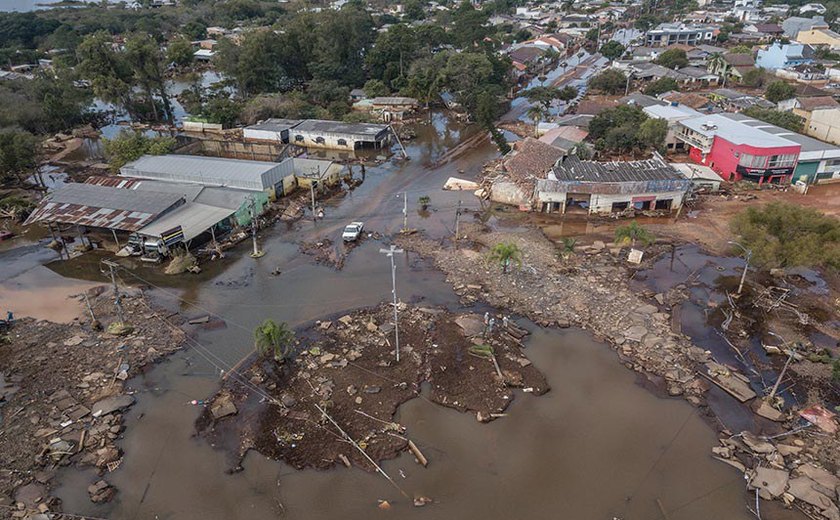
(768, 412)
(635, 333)
(223, 406)
(803, 488)
(757, 445)
(771, 483)
(729, 381)
(111, 405)
(822, 477)
(471, 324)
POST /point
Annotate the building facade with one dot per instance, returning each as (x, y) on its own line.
(677, 33)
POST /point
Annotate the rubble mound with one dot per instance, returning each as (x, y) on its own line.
(348, 369)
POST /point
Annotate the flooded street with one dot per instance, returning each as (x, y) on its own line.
(598, 446)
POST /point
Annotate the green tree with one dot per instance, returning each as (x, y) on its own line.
(144, 56)
(787, 120)
(661, 85)
(221, 110)
(469, 25)
(788, 235)
(611, 81)
(779, 91)
(567, 93)
(129, 146)
(741, 49)
(632, 232)
(623, 115)
(414, 10)
(277, 340)
(652, 134)
(376, 88)
(17, 155)
(544, 96)
(180, 52)
(672, 59)
(612, 50)
(505, 254)
(108, 71)
(753, 78)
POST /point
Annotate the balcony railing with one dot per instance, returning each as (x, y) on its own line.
(703, 145)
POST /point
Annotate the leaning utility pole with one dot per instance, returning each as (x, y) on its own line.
(405, 211)
(390, 254)
(111, 265)
(257, 253)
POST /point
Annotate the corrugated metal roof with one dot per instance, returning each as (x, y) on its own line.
(193, 218)
(274, 125)
(570, 168)
(103, 207)
(210, 171)
(367, 130)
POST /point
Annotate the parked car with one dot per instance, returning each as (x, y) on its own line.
(352, 231)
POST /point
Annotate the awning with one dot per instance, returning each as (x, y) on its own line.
(193, 218)
(643, 199)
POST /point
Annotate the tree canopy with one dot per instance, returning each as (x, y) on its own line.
(787, 120)
(611, 81)
(779, 91)
(672, 59)
(788, 235)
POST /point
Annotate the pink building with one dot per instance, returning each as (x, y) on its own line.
(736, 150)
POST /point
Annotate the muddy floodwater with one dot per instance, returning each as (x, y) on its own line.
(598, 446)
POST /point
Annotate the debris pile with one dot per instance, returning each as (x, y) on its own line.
(784, 467)
(346, 371)
(63, 395)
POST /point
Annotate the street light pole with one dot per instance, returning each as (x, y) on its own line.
(747, 257)
(390, 254)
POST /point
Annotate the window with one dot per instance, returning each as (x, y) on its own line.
(298, 137)
(781, 161)
(320, 139)
(342, 142)
(663, 204)
(752, 161)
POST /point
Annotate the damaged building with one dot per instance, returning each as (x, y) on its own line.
(592, 187)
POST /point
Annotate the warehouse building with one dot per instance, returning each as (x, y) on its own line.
(317, 133)
(610, 187)
(275, 130)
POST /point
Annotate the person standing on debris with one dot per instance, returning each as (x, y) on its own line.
(10, 317)
(490, 326)
(486, 318)
(505, 322)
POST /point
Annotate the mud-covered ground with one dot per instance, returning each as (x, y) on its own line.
(62, 394)
(348, 368)
(592, 288)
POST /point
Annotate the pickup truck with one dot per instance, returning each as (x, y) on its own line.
(352, 231)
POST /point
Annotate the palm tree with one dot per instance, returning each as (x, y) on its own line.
(536, 114)
(271, 338)
(718, 65)
(632, 232)
(504, 253)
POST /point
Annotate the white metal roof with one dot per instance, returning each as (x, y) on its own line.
(735, 132)
(194, 219)
(210, 171)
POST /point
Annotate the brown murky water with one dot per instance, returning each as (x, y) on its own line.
(597, 446)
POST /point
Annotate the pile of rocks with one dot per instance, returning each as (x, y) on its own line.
(69, 395)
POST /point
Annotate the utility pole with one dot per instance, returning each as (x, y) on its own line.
(784, 368)
(747, 257)
(111, 265)
(390, 254)
(257, 253)
(457, 221)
